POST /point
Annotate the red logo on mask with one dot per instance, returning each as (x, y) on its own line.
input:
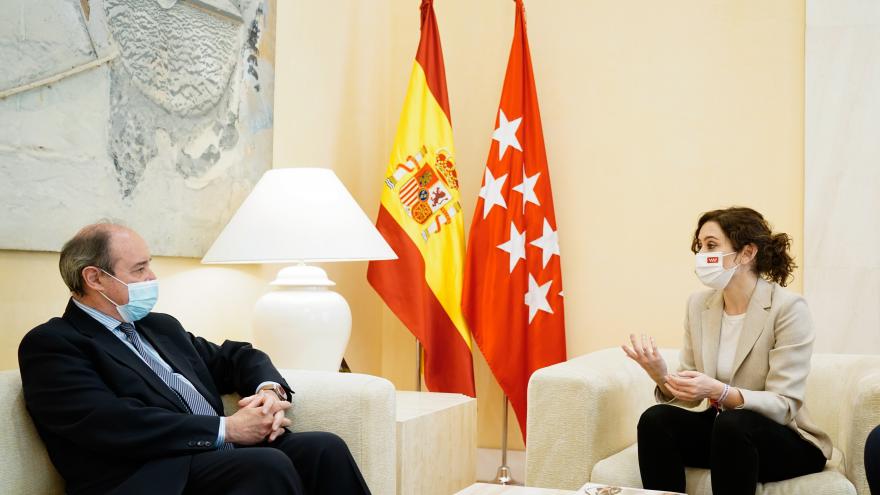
(712, 259)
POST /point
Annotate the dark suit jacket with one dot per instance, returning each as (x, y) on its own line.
(108, 421)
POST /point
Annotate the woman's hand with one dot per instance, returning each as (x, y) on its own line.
(693, 386)
(644, 351)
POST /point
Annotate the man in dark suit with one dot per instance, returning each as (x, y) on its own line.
(128, 402)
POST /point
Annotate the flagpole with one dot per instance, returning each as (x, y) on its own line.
(418, 366)
(503, 476)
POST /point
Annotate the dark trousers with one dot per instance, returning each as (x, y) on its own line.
(740, 447)
(872, 460)
(309, 463)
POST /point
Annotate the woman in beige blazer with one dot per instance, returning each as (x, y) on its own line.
(747, 348)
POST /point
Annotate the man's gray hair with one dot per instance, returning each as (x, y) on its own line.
(89, 247)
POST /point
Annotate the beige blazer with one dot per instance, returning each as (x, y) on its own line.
(772, 357)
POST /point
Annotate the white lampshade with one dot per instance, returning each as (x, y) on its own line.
(299, 215)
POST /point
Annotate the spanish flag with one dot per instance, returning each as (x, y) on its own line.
(420, 217)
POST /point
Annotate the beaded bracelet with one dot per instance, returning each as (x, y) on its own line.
(718, 404)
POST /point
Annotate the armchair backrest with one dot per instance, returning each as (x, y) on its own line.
(25, 467)
(843, 397)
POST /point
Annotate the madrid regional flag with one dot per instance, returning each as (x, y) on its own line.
(513, 296)
(420, 217)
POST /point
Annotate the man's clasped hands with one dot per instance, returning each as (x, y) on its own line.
(260, 418)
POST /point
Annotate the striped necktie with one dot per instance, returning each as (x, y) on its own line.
(195, 402)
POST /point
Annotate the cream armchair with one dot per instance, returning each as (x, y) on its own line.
(582, 418)
(358, 408)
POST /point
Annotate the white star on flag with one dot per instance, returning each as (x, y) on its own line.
(548, 242)
(527, 189)
(515, 246)
(506, 133)
(491, 192)
(536, 298)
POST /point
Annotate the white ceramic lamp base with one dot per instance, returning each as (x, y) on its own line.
(302, 324)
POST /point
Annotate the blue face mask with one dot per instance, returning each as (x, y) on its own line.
(142, 297)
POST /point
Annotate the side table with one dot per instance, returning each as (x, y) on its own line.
(436, 442)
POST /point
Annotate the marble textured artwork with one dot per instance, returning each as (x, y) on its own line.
(842, 174)
(180, 58)
(40, 44)
(168, 137)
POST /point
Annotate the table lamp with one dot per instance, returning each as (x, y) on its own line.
(299, 216)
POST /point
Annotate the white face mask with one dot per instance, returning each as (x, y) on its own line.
(710, 269)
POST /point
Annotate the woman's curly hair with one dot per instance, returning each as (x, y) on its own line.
(745, 226)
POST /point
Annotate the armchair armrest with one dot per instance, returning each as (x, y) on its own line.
(582, 411)
(859, 415)
(359, 408)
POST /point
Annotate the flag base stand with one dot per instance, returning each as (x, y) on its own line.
(503, 477)
(418, 366)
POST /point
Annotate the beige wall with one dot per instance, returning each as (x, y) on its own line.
(653, 112)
